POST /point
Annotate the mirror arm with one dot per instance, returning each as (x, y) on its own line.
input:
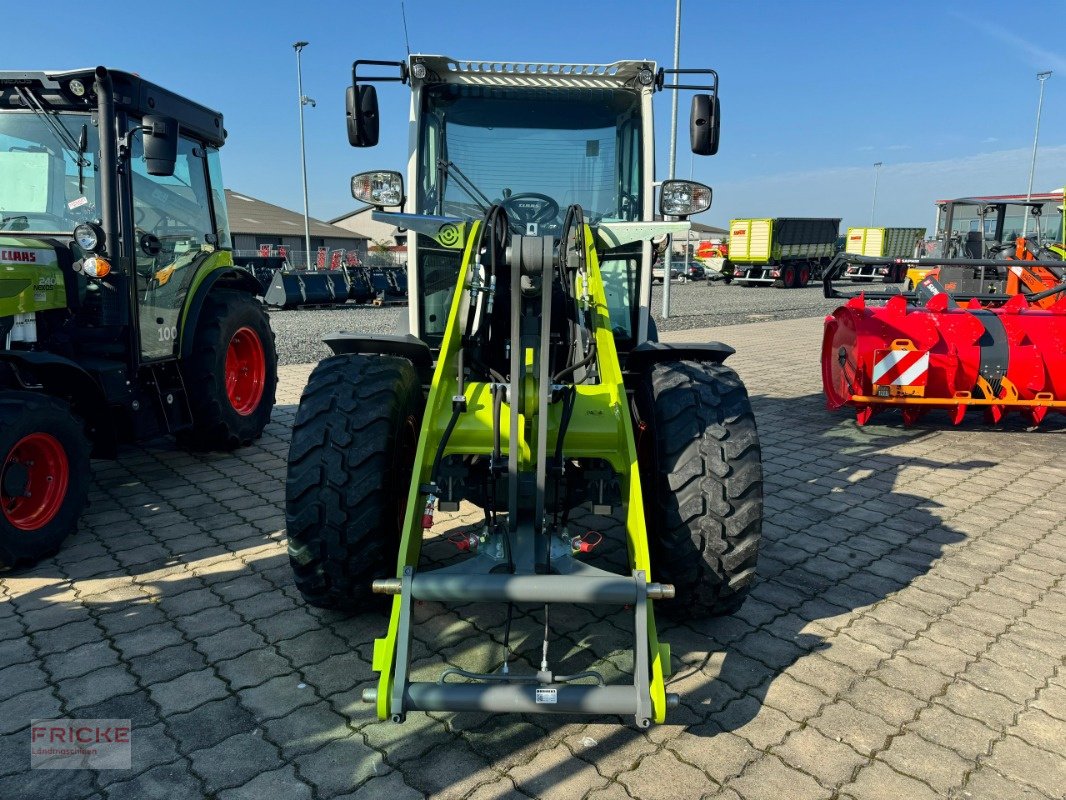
(125, 146)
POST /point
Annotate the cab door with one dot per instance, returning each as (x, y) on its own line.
(174, 233)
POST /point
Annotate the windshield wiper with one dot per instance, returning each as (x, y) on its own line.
(66, 140)
(25, 221)
(464, 183)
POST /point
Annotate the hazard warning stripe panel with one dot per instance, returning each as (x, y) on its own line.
(900, 367)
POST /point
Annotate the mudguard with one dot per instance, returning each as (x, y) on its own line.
(223, 277)
(60, 377)
(647, 353)
(405, 346)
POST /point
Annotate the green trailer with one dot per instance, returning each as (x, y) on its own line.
(881, 243)
(784, 251)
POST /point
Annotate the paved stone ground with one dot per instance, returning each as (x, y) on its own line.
(905, 638)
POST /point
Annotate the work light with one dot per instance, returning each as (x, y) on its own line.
(89, 236)
(683, 198)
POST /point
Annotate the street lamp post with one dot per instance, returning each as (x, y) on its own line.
(667, 258)
(1042, 77)
(303, 100)
(873, 205)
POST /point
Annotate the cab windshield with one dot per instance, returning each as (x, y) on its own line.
(47, 171)
(535, 151)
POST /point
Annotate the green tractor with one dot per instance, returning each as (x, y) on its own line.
(531, 383)
(122, 316)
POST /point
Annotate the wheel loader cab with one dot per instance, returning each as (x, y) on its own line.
(535, 139)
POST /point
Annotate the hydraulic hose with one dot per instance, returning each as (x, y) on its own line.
(570, 370)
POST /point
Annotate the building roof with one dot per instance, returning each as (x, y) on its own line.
(249, 215)
(699, 227)
(350, 214)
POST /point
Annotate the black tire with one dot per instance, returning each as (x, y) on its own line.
(218, 424)
(350, 463)
(23, 414)
(701, 469)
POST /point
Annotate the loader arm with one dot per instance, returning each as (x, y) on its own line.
(540, 564)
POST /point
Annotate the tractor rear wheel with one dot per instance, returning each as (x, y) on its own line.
(231, 374)
(44, 478)
(350, 464)
(701, 471)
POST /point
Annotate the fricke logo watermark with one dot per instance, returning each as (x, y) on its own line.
(80, 744)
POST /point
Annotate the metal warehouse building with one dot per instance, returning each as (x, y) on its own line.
(261, 228)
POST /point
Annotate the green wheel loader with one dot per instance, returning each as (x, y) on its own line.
(530, 384)
(122, 316)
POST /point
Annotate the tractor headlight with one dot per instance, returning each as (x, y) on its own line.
(645, 76)
(77, 88)
(378, 188)
(683, 198)
(418, 71)
(89, 236)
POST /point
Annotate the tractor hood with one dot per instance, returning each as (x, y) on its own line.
(30, 277)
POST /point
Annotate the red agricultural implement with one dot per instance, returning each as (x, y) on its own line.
(934, 348)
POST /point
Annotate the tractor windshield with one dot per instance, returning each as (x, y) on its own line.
(47, 171)
(535, 151)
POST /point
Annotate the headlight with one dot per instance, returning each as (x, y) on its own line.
(378, 188)
(89, 236)
(77, 88)
(95, 267)
(418, 71)
(645, 76)
(683, 198)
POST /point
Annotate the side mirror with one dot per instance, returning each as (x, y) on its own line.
(361, 103)
(160, 144)
(380, 188)
(705, 124)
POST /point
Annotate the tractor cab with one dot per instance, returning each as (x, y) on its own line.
(989, 227)
(130, 212)
(534, 140)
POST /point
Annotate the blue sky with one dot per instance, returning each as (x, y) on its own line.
(813, 93)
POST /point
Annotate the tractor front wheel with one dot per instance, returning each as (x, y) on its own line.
(231, 374)
(350, 464)
(701, 471)
(44, 478)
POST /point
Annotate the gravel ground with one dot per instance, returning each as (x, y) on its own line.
(693, 305)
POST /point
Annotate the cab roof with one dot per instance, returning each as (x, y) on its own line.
(133, 94)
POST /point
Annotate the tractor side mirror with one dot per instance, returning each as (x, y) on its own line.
(361, 103)
(705, 124)
(160, 144)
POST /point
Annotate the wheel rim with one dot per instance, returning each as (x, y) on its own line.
(804, 276)
(35, 478)
(245, 371)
